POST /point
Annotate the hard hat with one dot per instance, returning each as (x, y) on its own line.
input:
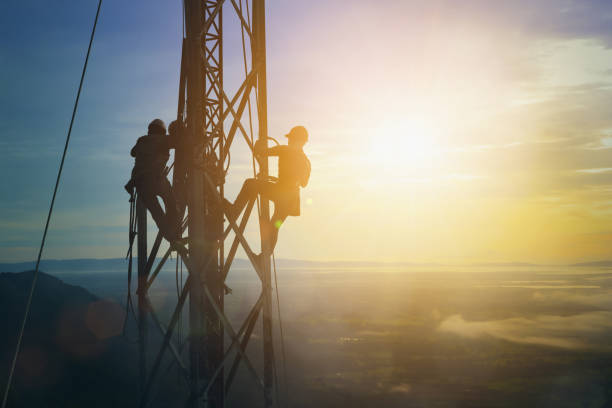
(176, 126)
(298, 133)
(157, 124)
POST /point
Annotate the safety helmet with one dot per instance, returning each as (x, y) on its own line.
(176, 126)
(157, 126)
(298, 133)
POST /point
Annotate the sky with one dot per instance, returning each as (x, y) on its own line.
(440, 131)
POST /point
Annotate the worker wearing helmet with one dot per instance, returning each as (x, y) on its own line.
(151, 153)
(293, 173)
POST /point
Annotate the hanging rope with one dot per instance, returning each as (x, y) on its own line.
(44, 237)
(129, 304)
(282, 335)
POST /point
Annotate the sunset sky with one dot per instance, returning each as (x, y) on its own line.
(440, 131)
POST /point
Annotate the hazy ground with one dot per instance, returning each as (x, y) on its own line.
(425, 336)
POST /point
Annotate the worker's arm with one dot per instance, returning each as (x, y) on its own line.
(135, 149)
(261, 149)
(306, 173)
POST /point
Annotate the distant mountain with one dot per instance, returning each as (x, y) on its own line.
(66, 265)
(120, 264)
(504, 264)
(72, 353)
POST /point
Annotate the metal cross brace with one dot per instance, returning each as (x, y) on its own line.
(239, 234)
(238, 115)
(244, 23)
(234, 337)
(163, 331)
(172, 324)
(232, 252)
(153, 254)
(243, 345)
(211, 18)
(235, 342)
(166, 341)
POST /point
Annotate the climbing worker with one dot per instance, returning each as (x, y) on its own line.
(148, 177)
(293, 173)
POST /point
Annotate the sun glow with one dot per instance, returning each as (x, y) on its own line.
(404, 147)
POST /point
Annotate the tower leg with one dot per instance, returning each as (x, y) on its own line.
(259, 61)
(195, 194)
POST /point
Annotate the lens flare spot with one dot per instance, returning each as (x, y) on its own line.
(277, 224)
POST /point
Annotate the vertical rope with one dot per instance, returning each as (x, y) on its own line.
(282, 335)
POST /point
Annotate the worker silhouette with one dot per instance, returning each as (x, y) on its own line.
(151, 153)
(293, 173)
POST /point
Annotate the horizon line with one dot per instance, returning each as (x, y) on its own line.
(599, 262)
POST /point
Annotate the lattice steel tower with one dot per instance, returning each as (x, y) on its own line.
(212, 119)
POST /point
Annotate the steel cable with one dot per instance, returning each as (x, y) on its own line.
(44, 237)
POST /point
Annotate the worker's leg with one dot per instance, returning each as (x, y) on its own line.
(273, 192)
(270, 233)
(249, 190)
(278, 218)
(147, 192)
(171, 221)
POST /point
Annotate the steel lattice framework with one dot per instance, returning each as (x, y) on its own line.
(213, 120)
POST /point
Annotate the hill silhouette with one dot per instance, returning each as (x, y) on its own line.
(73, 353)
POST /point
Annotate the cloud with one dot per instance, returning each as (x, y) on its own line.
(599, 300)
(402, 388)
(545, 18)
(595, 170)
(582, 331)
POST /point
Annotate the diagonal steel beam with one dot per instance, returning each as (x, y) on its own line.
(167, 371)
(153, 253)
(239, 235)
(238, 114)
(244, 90)
(158, 269)
(162, 261)
(248, 81)
(236, 123)
(235, 343)
(211, 18)
(235, 243)
(244, 23)
(163, 331)
(243, 346)
(232, 335)
(166, 341)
